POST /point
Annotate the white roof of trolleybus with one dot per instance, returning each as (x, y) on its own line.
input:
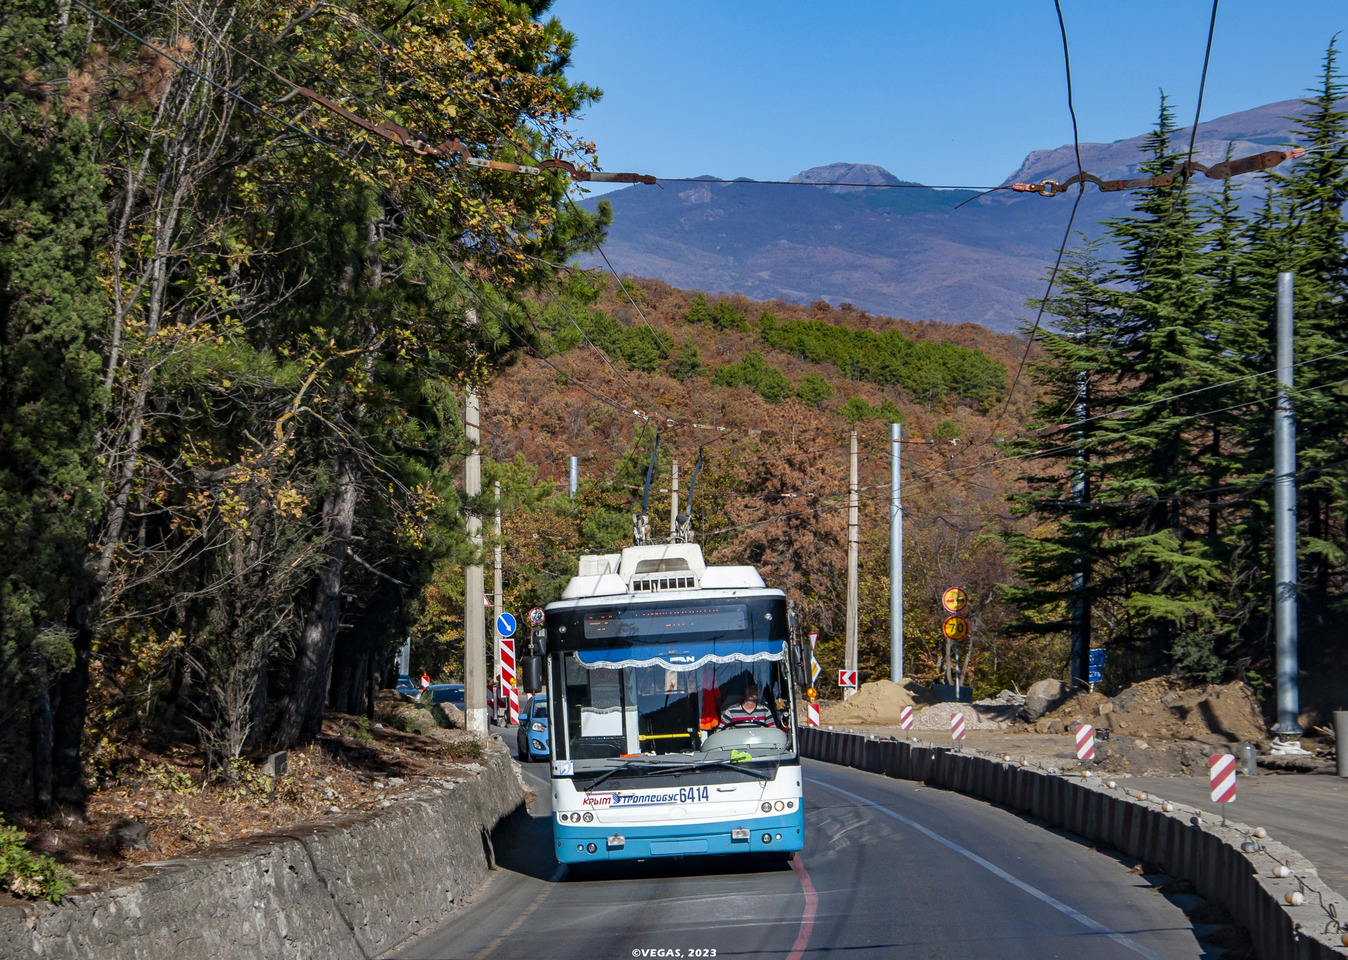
(678, 568)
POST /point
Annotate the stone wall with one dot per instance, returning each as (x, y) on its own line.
(352, 888)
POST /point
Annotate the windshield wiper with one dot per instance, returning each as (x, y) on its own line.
(631, 765)
(654, 766)
(737, 765)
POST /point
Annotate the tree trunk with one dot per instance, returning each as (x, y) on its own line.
(302, 717)
(39, 719)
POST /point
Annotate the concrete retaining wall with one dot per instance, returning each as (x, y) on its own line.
(1206, 854)
(354, 888)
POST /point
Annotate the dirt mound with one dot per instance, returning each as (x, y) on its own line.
(1158, 710)
(878, 702)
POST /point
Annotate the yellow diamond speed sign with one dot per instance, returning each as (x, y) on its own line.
(955, 628)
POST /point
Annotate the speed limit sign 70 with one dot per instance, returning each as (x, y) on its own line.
(955, 628)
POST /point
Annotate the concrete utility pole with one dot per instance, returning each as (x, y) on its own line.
(895, 556)
(852, 566)
(497, 600)
(1285, 522)
(673, 499)
(1081, 608)
(474, 629)
(571, 479)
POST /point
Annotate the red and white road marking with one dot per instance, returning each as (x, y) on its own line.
(906, 718)
(1085, 742)
(811, 908)
(957, 726)
(1223, 777)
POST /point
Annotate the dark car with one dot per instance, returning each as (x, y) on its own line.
(406, 686)
(532, 737)
(451, 693)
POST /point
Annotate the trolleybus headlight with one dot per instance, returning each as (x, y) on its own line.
(779, 806)
(790, 804)
(767, 838)
(779, 836)
(767, 806)
(588, 816)
(590, 848)
(575, 818)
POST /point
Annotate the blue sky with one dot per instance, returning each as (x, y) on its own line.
(943, 92)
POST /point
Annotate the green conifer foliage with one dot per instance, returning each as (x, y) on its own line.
(51, 308)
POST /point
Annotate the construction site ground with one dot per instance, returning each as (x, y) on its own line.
(1151, 739)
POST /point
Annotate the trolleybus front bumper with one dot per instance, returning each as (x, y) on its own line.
(592, 843)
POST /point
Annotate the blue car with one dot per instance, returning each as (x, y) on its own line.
(532, 738)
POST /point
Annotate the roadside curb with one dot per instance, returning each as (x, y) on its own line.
(353, 888)
(1208, 855)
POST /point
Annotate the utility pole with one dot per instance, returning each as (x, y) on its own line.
(895, 556)
(571, 479)
(852, 566)
(1079, 671)
(1285, 522)
(497, 600)
(474, 630)
(673, 499)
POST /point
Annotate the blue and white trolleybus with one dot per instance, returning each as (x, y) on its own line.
(648, 655)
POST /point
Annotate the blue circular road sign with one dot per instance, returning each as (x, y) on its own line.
(505, 624)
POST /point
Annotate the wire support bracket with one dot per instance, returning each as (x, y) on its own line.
(1220, 171)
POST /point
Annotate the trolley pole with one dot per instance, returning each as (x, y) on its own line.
(673, 498)
(1285, 522)
(852, 566)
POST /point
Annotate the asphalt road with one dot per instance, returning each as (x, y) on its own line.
(890, 869)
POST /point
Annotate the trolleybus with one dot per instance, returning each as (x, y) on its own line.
(645, 653)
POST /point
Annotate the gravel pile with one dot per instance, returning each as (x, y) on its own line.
(982, 715)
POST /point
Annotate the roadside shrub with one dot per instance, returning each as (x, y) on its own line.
(30, 875)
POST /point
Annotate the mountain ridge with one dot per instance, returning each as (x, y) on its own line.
(945, 255)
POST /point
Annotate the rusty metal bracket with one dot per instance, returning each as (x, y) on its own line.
(1219, 171)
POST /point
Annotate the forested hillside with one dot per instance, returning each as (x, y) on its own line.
(237, 319)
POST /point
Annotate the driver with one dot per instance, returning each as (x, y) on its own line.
(750, 708)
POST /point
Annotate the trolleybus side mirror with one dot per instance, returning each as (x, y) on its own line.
(531, 672)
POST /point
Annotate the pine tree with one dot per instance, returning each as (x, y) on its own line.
(1309, 233)
(51, 225)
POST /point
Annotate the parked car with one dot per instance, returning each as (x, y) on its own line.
(451, 693)
(532, 737)
(406, 686)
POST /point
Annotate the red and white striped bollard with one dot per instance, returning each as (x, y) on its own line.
(1085, 742)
